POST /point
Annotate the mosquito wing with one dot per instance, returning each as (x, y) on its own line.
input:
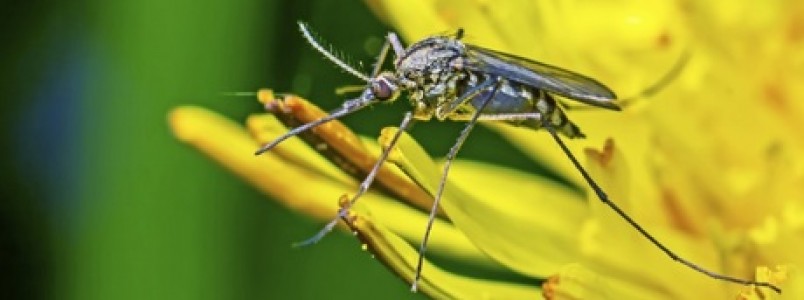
(542, 76)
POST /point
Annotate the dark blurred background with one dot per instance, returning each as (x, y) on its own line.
(99, 201)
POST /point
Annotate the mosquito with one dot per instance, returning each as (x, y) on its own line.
(448, 79)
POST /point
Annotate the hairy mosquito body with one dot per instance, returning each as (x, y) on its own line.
(434, 73)
(448, 79)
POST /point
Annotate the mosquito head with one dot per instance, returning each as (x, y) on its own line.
(384, 87)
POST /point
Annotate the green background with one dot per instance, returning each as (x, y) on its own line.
(101, 202)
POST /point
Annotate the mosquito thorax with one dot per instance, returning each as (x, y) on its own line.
(430, 70)
(430, 60)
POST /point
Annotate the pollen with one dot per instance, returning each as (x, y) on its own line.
(343, 200)
(550, 286)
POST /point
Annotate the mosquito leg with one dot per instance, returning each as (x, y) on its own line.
(399, 50)
(343, 90)
(450, 157)
(496, 117)
(346, 108)
(605, 199)
(364, 186)
(381, 57)
(449, 107)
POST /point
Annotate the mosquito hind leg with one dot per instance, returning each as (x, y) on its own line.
(605, 199)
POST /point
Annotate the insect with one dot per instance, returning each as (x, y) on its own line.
(448, 79)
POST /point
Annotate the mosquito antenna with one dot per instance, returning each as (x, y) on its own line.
(331, 54)
(347, 108)
(605, 199)
(442, 184)
(364, 186)
(349, 89)
(239, 94)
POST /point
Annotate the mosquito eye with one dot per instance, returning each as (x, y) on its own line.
(383, 90)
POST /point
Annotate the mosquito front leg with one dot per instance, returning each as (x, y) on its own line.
(364, 186)
(393, 39)
(382, 56)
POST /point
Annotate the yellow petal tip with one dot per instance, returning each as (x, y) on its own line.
(775, 276)
(265, 96)
(604, 156)
(187, 122)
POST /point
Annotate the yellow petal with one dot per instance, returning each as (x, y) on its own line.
(265, 128)
(402, 258)
(229, 144)
(765, 274)
(611, 169)
(411, 158)
(575, 281)
(633, 140)
(399, 14)
(531, 230)
(613, 248)
(528, 223)
(446, 240)
(342, 145)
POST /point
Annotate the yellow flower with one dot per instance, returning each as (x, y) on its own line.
(711, 166)
(386, 226)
